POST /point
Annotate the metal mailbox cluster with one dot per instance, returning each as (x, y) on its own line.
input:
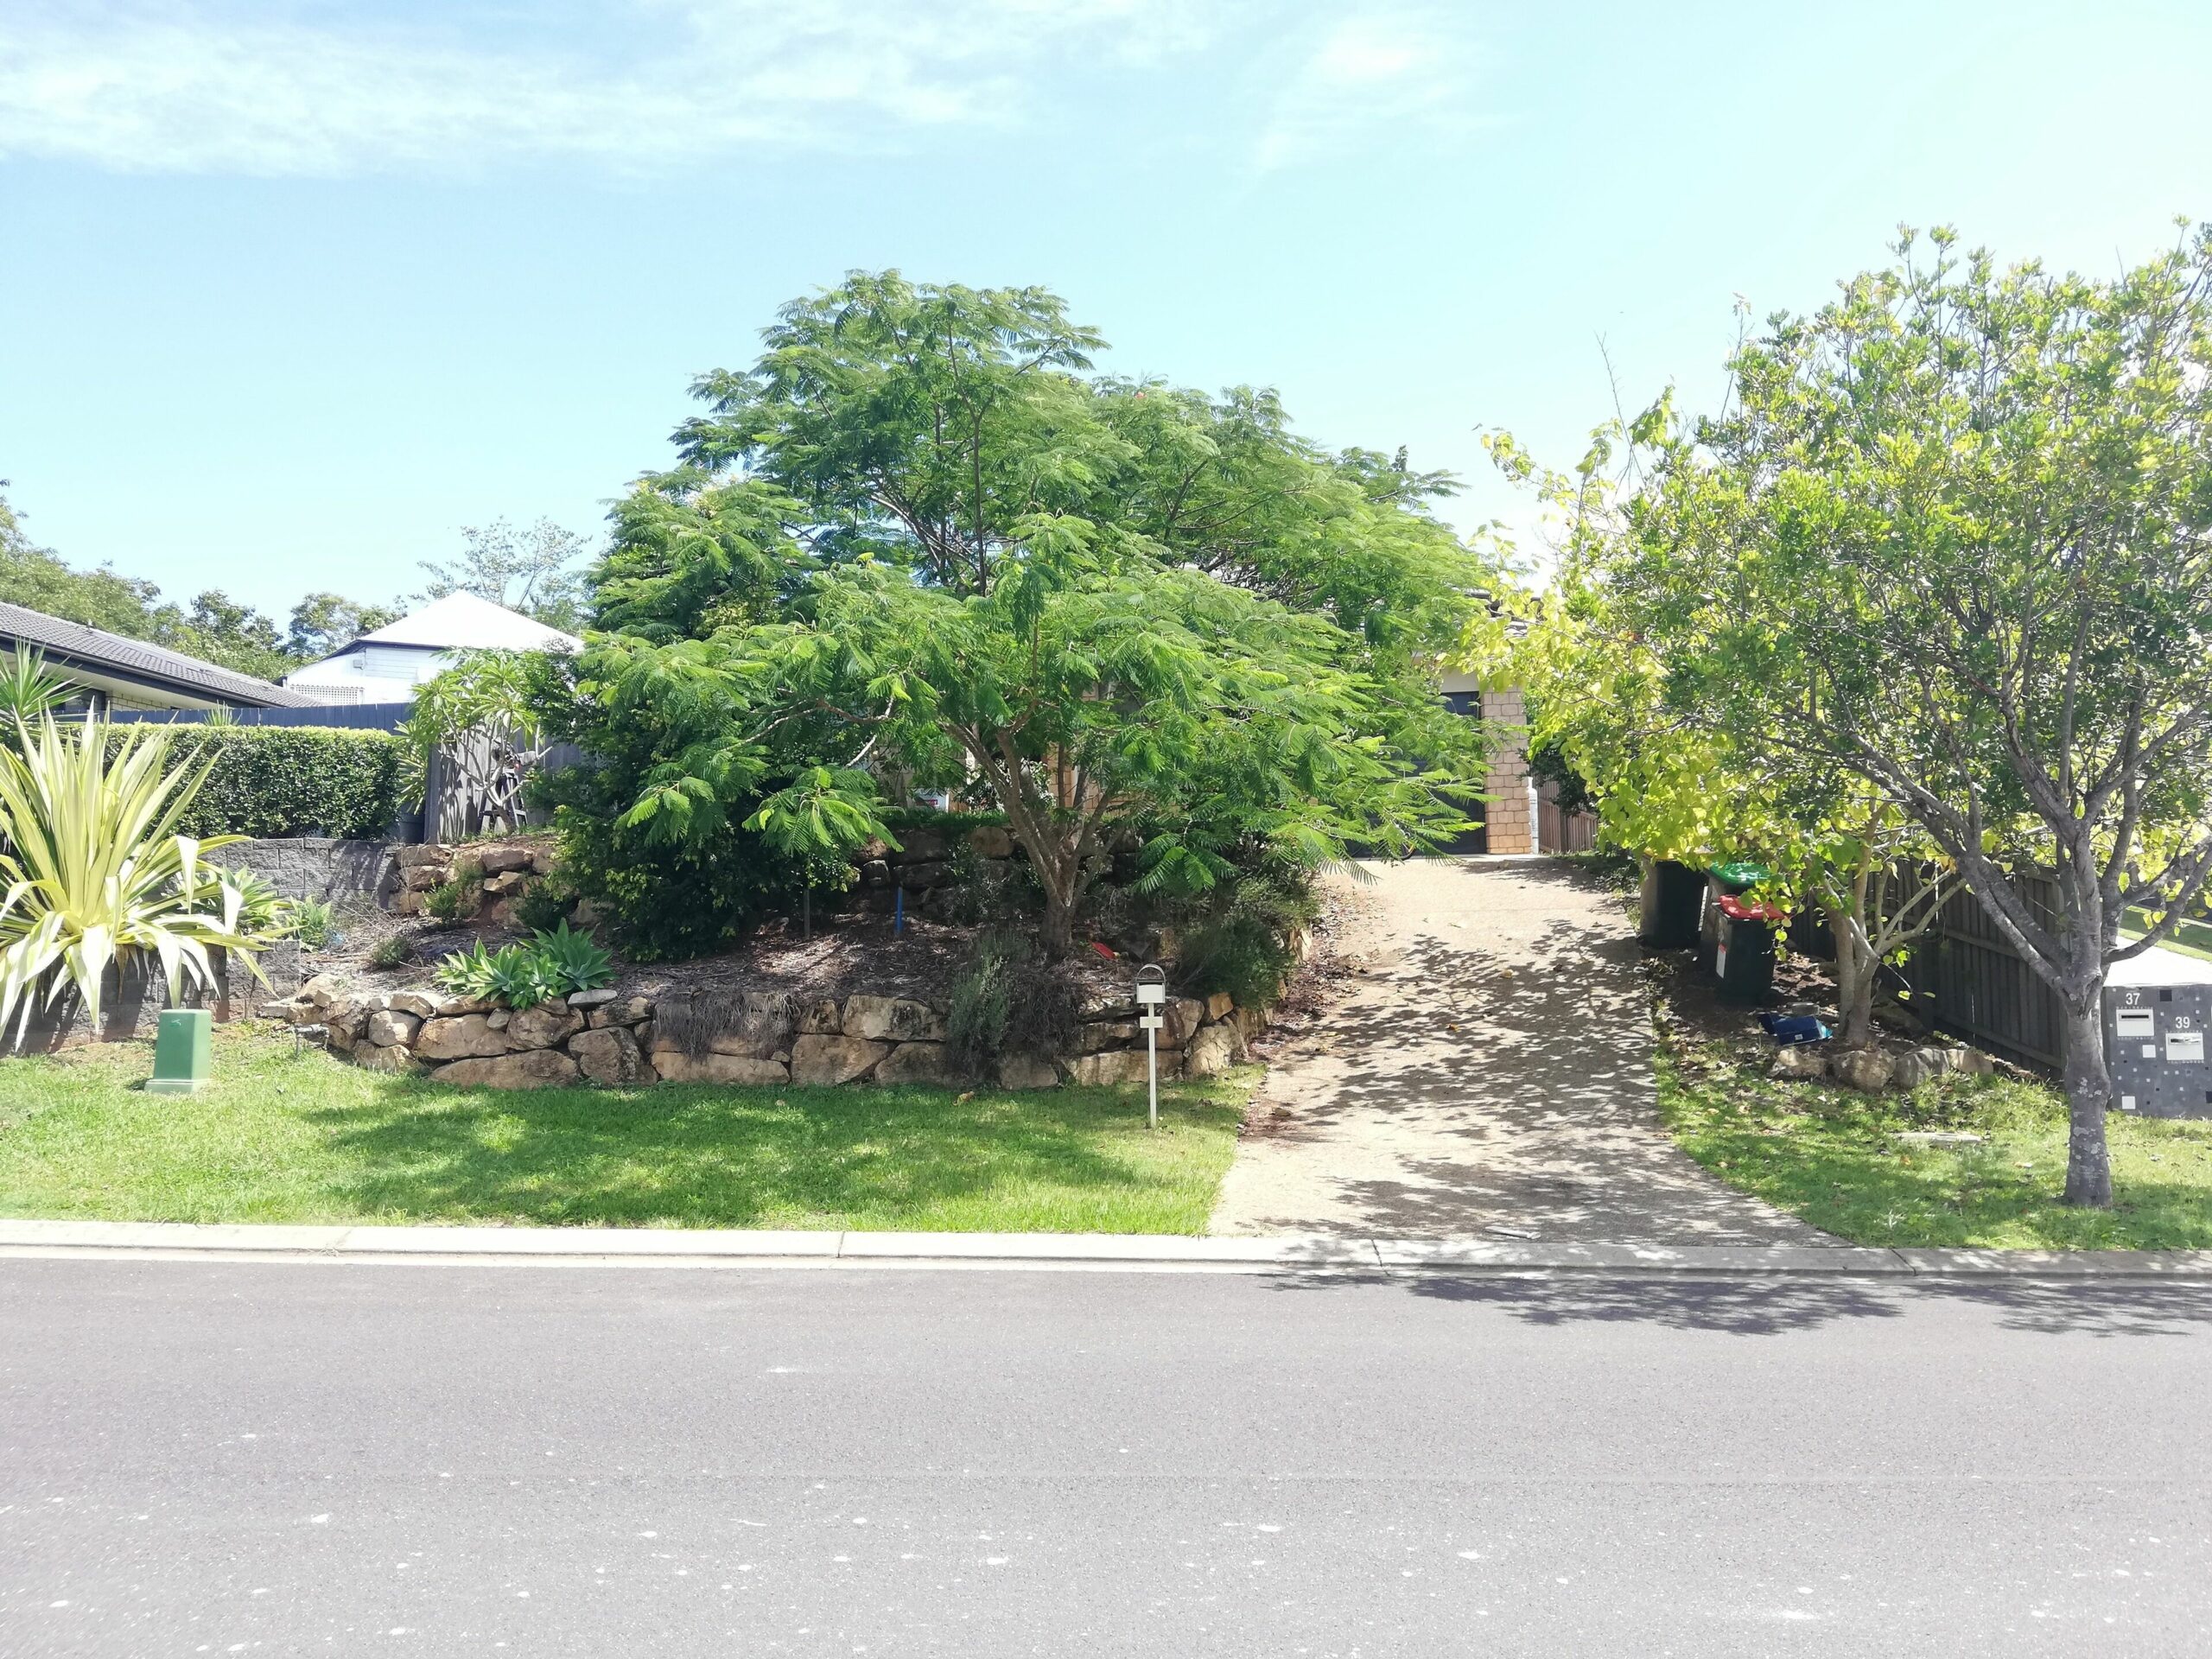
(2157, 1009)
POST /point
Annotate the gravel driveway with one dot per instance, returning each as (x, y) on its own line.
(1489, 1073)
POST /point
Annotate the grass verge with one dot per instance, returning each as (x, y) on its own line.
(310, 1139)
(1831, 1155)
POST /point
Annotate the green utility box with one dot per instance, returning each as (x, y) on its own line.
(1668, 917)
(184, 1051)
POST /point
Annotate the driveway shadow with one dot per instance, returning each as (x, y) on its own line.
(1492, 1070)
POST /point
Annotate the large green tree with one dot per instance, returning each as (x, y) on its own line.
(921, 532)
(1953, 536)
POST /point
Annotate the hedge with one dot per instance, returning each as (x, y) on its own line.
(296, 780)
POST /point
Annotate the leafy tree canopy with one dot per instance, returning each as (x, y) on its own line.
(918, 538)
(1952, 537)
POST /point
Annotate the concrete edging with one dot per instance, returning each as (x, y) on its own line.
(1297, 1253)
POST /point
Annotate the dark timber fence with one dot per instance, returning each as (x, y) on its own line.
(1966, 979)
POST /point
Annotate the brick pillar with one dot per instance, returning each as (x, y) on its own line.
(1511, 812)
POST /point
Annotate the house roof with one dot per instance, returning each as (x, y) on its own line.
(73, 645)
(465, 622)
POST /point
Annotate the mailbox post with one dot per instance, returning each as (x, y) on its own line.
(1152, 1009)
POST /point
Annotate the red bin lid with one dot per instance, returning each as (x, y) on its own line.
(1737, 910)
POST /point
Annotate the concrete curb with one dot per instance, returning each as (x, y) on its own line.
(1289, 1253)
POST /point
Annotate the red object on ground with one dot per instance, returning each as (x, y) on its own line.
(1102, 949)
(1737, 910)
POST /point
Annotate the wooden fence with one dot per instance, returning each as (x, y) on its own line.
(1561, 832)
(1966, 979)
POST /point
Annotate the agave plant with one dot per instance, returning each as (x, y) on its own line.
(93, 872)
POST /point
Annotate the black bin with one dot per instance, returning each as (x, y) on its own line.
(1743, 957)
(1672, 893)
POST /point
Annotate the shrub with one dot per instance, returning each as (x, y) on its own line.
(455, 899)
(1009, 1001)
(544, 906)
(1240, 943)
(393, 951)
(293, 781)
(314, 923)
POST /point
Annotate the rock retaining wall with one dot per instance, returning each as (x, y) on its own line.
(749, 1036)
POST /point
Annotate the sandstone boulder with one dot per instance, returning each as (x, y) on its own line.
(547, 1026)
(918, 846)
(1867, 1070)
(430, 851)
(913, 1062)
(895, 1019)
(534, 1068)
(421, 877)
(466, 1037)
(1799, 1060)
(1027, 1071)
(835, 1059)
(1115, 1066)
(452, 1008)
(323, 990)
(500, 861)
(584, 1002)
(393, 1059)
(610, 1056)
(1094, 1038)
(1212, 1052)
(820, 1018)
(388, 1028)
(423, 1005)
(991, 842)
(1183, 1016)
(875, 872)
(506, 885)
(1220, 1005)
(544, 860)
(630, 1011)
(675, 1066)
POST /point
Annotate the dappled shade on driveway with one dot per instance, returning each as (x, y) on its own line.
(1489, 1072)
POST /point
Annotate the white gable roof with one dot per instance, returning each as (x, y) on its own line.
(464, 622)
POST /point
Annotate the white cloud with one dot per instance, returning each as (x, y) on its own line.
(1379, 73)
(171, 85)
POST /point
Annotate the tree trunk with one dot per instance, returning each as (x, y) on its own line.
(1057, 932)
(1855, 982)
(2088, 1093)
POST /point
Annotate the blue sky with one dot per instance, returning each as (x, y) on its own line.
(293, 291)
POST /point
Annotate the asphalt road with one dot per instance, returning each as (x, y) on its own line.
(295, 1459)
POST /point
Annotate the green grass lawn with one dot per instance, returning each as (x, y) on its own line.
(1829, 1155)
(280, 1139)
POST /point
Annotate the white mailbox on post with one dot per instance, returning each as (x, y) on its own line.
(1151, 1011)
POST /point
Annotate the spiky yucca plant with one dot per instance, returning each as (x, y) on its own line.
(93, 871)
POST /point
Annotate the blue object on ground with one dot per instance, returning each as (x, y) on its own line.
(1787, 1028)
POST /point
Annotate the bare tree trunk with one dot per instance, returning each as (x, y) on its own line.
(1854, 982)
(1057, 932)
(2088, 1094)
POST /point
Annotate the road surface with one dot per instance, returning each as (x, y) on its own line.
(210, 1458)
